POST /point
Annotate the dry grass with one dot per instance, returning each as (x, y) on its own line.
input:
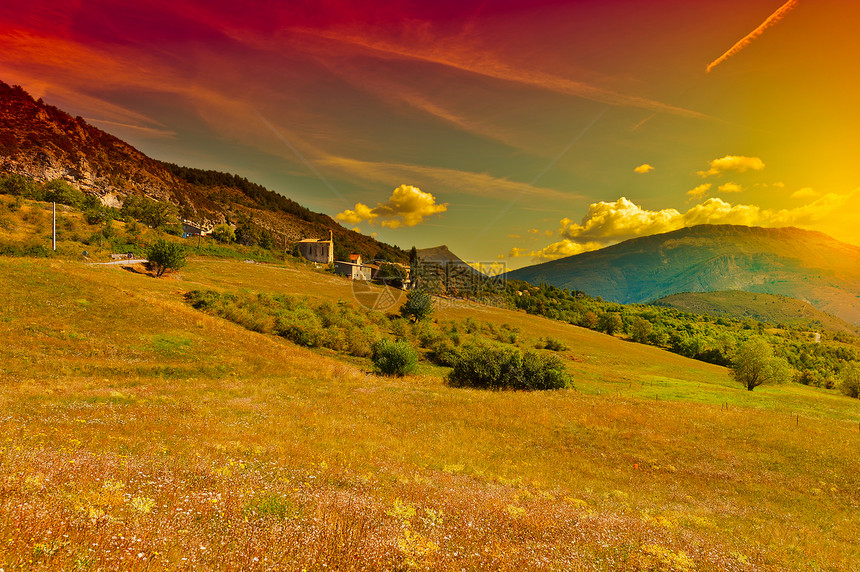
(140, 434)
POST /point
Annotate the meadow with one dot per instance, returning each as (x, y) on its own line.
(139, 433)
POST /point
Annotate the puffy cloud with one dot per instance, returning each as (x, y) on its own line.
(407, 206)
(645, 168)
(361, 213)
(563, 248)
(618, 221)
(700, 191)
(730, 188)
(804, 193)
(735, 163)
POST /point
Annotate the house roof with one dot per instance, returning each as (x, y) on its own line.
(354, 256)
(314, 240)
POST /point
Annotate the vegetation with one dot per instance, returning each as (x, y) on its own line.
(165, 255)
(224, 233)
(394, 358)
(418, 305)
(171, 446)
(713, 339)
(754, 364)
(849, 379)
(497, 367)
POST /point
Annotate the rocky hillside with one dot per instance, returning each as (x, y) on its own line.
(45, 143)
(809, 266)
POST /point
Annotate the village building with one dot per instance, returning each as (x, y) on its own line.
(318, 250)
(190, 229)
(355, 269)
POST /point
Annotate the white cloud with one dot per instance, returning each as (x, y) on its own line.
(407, 206)
(645, 168)
(804, 193)
(730, 188)
(700, 191)
(735, 163)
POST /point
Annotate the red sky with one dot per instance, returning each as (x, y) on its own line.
(544, 128)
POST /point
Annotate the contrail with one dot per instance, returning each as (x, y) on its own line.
(745, 41)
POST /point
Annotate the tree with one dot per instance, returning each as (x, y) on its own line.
(224, 233)
(155, 214)
(755, 365)
(165, 256)
(849, 379)
(609, 323)
(641, 330)
(418, 305)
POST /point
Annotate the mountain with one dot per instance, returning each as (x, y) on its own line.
(806, 265)
(769, 308)
(40, 141)
(441, 270)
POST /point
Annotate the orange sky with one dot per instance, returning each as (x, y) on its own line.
(515, 131)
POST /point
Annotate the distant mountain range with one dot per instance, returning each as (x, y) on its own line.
(43, 142)
(806, 265)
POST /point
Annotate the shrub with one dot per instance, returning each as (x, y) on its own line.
(418, 305)
(165, 256)
(301, 326)
(394, 358)
(444, 353)
(426, 333)
(507, 368)
(554, 345)
(849, 379)
(224, 233)
(542, 371)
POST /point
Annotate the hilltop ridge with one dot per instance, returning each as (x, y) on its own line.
(43, 142)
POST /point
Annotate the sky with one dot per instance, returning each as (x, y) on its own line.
(514, 131)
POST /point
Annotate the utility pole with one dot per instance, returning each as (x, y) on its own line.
(54, 229)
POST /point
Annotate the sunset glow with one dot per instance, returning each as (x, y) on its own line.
(471, 123)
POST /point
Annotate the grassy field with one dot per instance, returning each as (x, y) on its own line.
(137, 433)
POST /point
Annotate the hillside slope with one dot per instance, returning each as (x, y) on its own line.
(169, 445)
(769, 308)
(40, 141)
(806, 265)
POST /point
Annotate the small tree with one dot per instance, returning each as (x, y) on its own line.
(418, 305)
(849, 379)
(224, 233)
(755, 365)
(640, 330)
(165, 255)
(609, 323)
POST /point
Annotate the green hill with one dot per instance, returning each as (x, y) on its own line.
(767, 308)
(141, 433)
(801, 264)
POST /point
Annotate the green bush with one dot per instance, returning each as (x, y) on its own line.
(418, 305)
(492, 367)
(394, 358)
(444, 352)
(849, 379)
(301, 326)
(554, 345)
(165, 256)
